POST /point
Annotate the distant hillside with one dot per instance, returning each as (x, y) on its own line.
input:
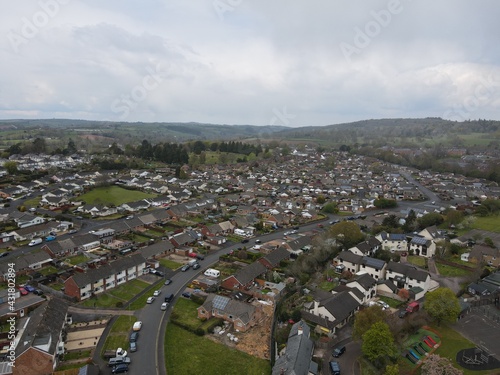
(106, 132)
(400, 132)
(414, 133)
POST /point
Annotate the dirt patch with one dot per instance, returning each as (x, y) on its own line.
(255, 341)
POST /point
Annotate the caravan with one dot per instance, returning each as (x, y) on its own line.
(212, 273)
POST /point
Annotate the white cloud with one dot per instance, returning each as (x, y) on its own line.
(78, 59)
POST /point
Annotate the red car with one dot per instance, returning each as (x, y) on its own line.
(23, 291)
(192, 255)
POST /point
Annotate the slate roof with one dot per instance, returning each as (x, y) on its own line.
(341, 305)
(227, 306)
(349, 257)
(297, 357)
(276, 256)
(250, 272)
(407, 270)
(44, 326)
(96, 274)
(156, 248)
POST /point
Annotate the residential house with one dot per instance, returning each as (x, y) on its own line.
(485, 254)
(422, 246)
(274, 258)
(295, 359)
(244, 278)
(97, 280)
(242, 315)
(366, 284)
(406, 276)
(41, 341)
(331, 311)
(392, 241)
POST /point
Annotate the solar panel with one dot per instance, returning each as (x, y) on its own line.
(220, 302)
(419, 240)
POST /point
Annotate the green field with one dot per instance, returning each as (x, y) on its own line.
(113, 195)
(450, 271)
(489, 223)
(200, 355)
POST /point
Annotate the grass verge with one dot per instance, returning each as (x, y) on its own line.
(210, 355)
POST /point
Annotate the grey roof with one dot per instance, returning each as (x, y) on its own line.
(407, 270)
(44, 326)
(341, 305)
(96, 274)
(298, 352)
(350, 257)
(156, 249)
(276, 256)
(250, 272)
(366, 281)
(225, 305)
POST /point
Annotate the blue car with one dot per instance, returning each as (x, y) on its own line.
(50, 238)
(29, 288)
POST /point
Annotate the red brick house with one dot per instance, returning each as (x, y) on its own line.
(241, 314)
(42, 339)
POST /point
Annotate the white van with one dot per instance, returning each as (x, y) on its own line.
(35, 241)
(212, 273)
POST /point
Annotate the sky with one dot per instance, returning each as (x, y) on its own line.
(273, 62)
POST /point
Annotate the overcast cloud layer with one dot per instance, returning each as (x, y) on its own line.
(293, 63)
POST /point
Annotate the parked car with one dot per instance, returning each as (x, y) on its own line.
(196, 266)
(168, 281)
(38, 292)
(118, 369)
(118, 360)
(403, 313)
(200, 256)
(157, 293)
(337, 352)
(384, 305)
(185, 267)
(29, 288)
(164, 306)
(72, 231)
(137, 326)
(245, 240)
(133, 346)
(134, 336)
(50, 238)
(23, 291)
(169, 297)
(35, 241)
(4, 254)
(150, 300)
(334, 368)
(186, 295)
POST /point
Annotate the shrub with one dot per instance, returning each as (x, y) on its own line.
(199, 331)
(119, 304)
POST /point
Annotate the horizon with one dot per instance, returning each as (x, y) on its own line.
(244, 63)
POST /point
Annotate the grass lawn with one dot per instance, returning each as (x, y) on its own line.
(417, 261)
(77, 355)
(48, 270)
(452, 343)
(327, 285)
(450, 271)
(57, 286)
(170, 264)
(489, 223)
(128, 290)
(122, 293)
(77, 259)
(118, 335)
(185, 310)
(114, 195)
(194, 355)
(123, 323)
(101, 300)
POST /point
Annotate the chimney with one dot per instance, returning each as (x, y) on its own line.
(299, 330)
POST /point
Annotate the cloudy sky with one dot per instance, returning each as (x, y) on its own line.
(293, 62)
